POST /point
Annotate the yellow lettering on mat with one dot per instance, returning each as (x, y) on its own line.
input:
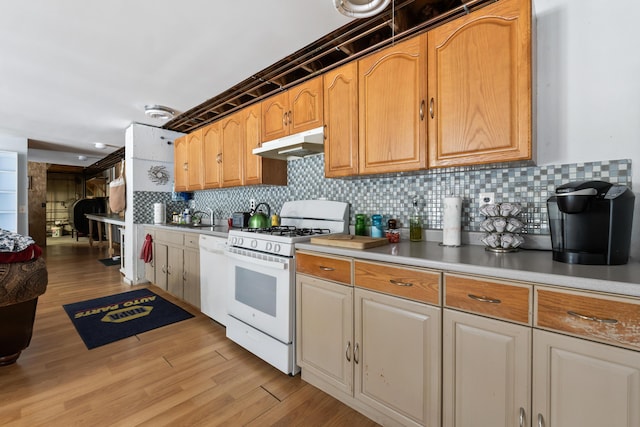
(96, 311)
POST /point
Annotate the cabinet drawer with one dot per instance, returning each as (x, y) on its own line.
(192, 240)
(412, 283)
(170, 237)
(330, 268)
(603, 318)
(502, 300)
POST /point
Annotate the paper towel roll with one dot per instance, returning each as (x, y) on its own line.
(159, 216)
(451, 221)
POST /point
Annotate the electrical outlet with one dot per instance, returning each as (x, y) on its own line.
(487, 198)
(252, 204)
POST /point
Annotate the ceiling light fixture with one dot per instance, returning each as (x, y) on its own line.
(360, 8)
(159, 112)
(100, 145)
(83, 158)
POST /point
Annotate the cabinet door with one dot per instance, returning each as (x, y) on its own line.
(480, 87)
(486, 371)
(160, 265)
(341, 121)
(191, 277)
(180, 164)
(324, 334)
(232, 138)
(194, 160)
(212, 155)
(392, 125)
(275, 120)
(305, 106)
(581, 383)
(252, 139)
(175, 264)
(397, 357)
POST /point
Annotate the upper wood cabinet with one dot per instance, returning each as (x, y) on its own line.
(180, 164)
(479, 69)
(232, 143)
(212, 154)
(257, 169)
(341, 121)
(194, 160)
(295, 110)
(392, 93)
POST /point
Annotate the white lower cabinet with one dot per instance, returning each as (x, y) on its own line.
(579, 383)
(378, 353)
(486, 371)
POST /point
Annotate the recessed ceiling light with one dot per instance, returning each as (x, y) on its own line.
(159, 112)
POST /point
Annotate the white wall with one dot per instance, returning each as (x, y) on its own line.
(19, 145)
(588, 85)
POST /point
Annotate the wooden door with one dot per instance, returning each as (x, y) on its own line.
(392, 92)
(324, 319)
(180, 164)
(232, 140)
(397, 357)
(160, 265)
(191, 277)
(252, 139)
(341, 121)
(194, 159)
(486, 371)
(275, 119)
(480, 87)
(175, 262)
(305, 106)
(212, 155)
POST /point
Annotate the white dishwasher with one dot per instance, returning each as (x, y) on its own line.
(213, 277)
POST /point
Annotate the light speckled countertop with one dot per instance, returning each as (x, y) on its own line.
(525, 265)
(216, 230)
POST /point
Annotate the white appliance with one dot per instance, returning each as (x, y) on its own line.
(213, 277)
(261, 278)
(294, 146)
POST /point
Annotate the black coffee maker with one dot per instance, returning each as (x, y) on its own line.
(591, 223)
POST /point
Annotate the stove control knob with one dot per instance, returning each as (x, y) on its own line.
(269, 246)
(276, 248)
(254, 243)
(240, 241)
(234, 240)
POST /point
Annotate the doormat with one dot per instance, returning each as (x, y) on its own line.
(104, 320)
(110, 261)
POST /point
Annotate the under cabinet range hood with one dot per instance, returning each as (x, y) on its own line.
(295, 146)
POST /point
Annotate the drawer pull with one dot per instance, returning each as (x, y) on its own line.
(484, 299)
(356, 353)
(522, 418)
(347, 353)
(592, 318)
(323, 268)
(540, 420)
(398, 283)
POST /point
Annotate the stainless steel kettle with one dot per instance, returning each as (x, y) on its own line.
(259, 219)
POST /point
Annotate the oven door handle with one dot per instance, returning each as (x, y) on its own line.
(257, 261)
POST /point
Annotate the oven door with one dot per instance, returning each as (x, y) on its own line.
(261, 292)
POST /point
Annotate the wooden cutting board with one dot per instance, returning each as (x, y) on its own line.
(350, 241)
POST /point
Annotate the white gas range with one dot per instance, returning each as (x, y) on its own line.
(261, 287)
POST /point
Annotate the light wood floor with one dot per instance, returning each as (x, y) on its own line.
(185, 374)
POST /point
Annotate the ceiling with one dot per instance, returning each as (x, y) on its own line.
(76, 72)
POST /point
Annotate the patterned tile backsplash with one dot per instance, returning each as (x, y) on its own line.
(390, 195)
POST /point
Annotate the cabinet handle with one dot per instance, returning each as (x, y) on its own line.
(164, 269)
(356, 355)
(522, 419)
(431, 108)
(398, 283)
(484, 299)
(168, 269)
(422, 110)
(184, 276)
(290, 117)
(284, 119)
(185, 166)
(323, 268)
(540, 420)
(592, 318)
(347, 353)
(325, 132)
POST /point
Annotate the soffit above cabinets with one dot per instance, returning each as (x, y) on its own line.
(402, 19)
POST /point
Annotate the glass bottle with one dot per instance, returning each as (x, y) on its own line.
(415, 223)
(376, 225)
(361, 226)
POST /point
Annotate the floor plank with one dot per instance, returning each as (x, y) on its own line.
(186, 374)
